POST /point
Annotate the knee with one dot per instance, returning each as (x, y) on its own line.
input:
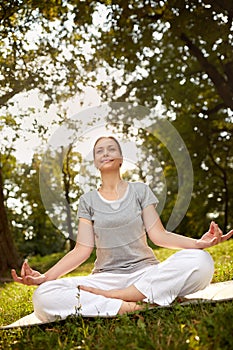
(38, 294)
(199, 261)
(40, 302)
(204, 264)
(204, 259)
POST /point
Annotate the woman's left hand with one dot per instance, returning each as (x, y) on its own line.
(213, 236)
(28, 275)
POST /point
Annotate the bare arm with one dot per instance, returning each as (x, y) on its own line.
(163, 238)
(69, 262)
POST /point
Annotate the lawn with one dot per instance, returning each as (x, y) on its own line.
(201, 326)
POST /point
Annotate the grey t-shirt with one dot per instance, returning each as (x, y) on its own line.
(119, 233)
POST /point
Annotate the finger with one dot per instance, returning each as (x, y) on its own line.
(29, 281)
(218, 232)
(212, 227)
(213, 241)
(28, 269)
(210, 243)
(216, 229)
(23, 269)
(227, 236)
(15, 277)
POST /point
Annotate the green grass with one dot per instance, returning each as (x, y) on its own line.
(202, 326)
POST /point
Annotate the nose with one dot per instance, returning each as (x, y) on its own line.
(105, 152)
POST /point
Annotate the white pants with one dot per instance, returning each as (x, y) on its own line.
(185, 272)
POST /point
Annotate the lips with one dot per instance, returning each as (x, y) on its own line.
(107, 160)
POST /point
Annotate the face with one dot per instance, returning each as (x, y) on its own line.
(107, 155)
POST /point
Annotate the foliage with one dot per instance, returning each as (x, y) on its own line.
(165, 53)
(34, 233)
(42, 48)
(60, 189)
(169, 51)
(33, 230)
(151, 53)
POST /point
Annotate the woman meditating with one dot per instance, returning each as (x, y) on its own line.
(115, 218)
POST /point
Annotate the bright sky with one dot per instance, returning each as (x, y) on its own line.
(27, 144)
(28, 141)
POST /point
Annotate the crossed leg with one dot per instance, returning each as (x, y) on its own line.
(183, 273)
(129, 296)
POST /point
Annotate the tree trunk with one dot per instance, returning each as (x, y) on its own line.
(66, 184)
(69, 226)
(8, 254)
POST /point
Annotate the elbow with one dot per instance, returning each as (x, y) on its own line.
(83, 250)
(89, 250)
(159, 238)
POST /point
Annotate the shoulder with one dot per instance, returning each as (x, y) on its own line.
(144, 194)
(139, 186)
(88, 197)
(86, 205)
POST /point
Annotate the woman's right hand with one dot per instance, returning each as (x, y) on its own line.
(28, 275)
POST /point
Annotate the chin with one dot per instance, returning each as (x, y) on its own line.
(109, 166)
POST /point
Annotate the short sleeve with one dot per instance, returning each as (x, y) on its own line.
(84, 209)
(146, 196)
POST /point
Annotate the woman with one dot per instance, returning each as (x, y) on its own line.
(115, 218)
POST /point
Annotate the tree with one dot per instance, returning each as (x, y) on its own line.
(33, 231)
(60, 189)
(7, 247)
(8, 251)
(180, 53)
(153, 52)
(71, 189)
(42, 49)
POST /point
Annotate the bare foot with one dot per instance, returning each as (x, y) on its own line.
(130, 306)
(127, 305)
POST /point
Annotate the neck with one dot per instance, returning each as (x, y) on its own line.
(110, 181)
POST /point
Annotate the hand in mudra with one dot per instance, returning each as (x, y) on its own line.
(213, 236)
(28, 275)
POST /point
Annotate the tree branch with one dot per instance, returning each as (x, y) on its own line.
(221, 86)
(20, 86)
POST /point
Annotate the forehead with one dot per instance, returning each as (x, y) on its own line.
(105, 142)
